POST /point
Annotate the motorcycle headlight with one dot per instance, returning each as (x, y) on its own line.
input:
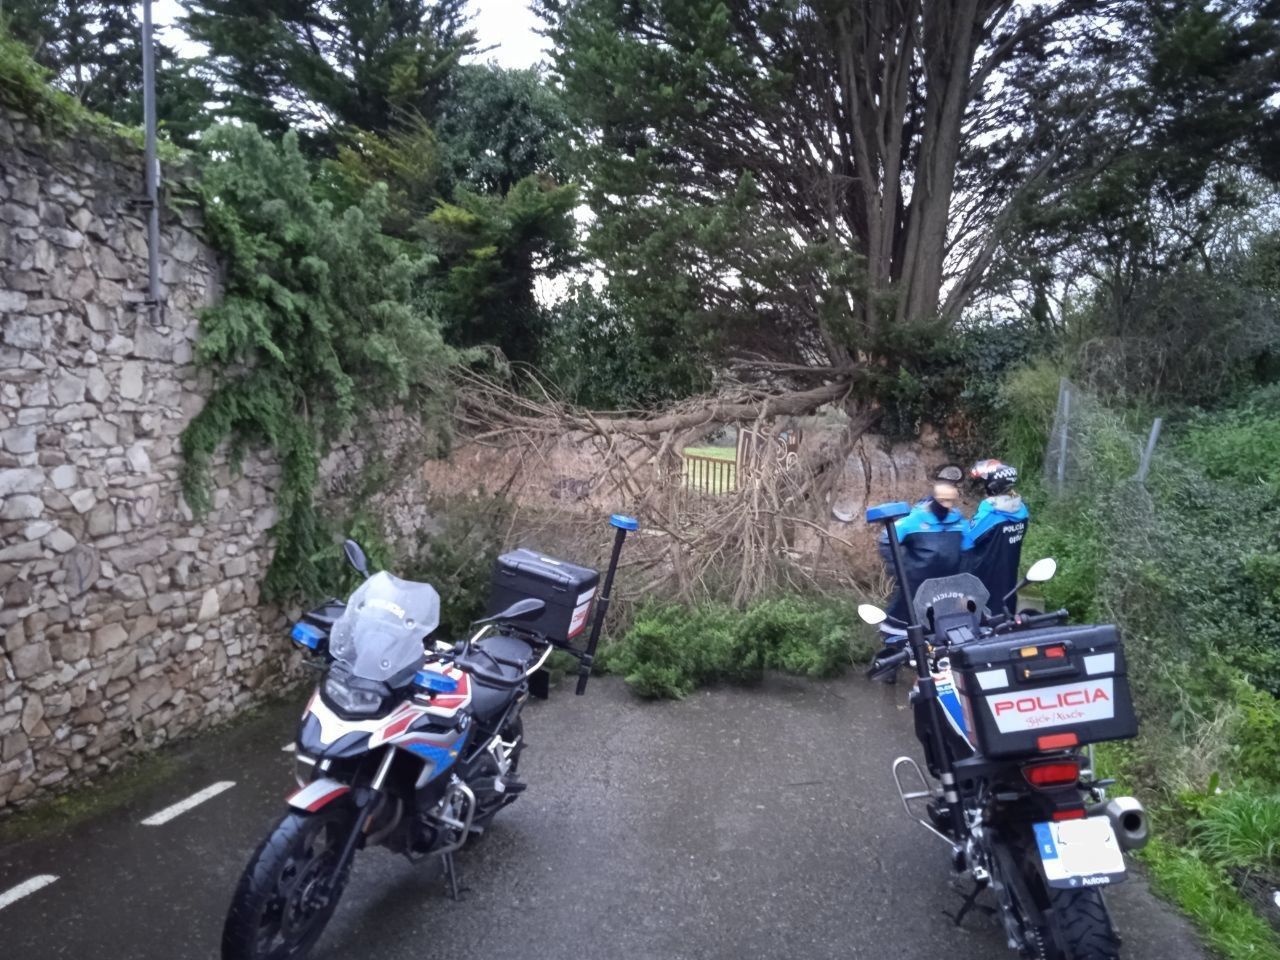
(350, 698)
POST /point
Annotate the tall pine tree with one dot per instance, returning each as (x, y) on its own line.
(323, 65)
(93, 49)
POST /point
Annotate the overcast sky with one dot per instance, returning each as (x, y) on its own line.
(506, 25)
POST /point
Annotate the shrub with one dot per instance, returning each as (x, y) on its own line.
(1241, 828)
(1023, 414)
(1255, 734)
(1240, 445)
(321, 320)
(671, 650)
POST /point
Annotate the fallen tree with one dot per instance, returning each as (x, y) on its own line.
(736, 546)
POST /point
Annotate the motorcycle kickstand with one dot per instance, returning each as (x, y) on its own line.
(971, 901)
(451, 876)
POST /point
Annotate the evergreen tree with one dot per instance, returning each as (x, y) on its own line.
(822, 181)
(491, 247)
(323, 65)
(93, 49)
(501, 126)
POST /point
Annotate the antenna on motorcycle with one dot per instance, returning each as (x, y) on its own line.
(888, 514)
(926, 687)
(356, 557)
(624, 525)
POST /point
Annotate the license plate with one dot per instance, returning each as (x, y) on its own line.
(1080, 853)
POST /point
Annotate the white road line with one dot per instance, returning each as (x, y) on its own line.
(182, 806)
(14, 894)
(289, 747)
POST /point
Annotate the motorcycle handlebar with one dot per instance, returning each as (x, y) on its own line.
(889, 663)
(1055, 617)
(1036, 620)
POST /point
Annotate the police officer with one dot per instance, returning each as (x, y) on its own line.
(993, 542)
(932, 538)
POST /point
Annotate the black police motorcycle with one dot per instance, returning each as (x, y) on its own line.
(1006, 707)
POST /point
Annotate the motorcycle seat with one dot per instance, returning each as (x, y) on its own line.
(488, 703)
(512, 658)
(509, 649)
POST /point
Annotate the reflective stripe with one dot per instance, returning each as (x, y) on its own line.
(316, 794)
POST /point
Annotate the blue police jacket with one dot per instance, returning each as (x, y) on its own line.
(993, 546)
(931, 547)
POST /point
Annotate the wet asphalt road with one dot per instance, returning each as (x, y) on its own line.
(736, 824)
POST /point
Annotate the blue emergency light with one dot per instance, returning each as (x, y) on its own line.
(306, 635)
(435, 682)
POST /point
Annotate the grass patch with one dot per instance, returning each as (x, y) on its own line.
(671, 650)
(716, 453)
(1240, 828)
(110, 790)
(1208, 896)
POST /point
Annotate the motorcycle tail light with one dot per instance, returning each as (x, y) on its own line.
(1074, 813)
(1058, 773)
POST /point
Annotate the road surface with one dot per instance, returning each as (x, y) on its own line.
(736, 824)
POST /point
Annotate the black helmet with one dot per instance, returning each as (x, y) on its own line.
(995, 476)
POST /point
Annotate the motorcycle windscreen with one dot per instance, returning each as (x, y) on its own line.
(380, 633)
(960, 593)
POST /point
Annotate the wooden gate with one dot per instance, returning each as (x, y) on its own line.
(709, 475)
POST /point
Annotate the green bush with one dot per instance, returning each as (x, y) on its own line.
(1255, 734)
(671, 650)
(1240, 445)
(321, 320)
(1023, 413)
(1241, 828)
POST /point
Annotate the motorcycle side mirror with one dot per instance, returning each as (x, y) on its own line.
(356, 557)
(1042, 570)
(871, 614)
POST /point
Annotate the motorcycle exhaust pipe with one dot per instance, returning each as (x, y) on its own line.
(1129, 820)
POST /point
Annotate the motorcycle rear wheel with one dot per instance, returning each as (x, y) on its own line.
(1074, 924)
(289, 889)
(1081, 926)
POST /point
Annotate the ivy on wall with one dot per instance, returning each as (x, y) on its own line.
(323, 318)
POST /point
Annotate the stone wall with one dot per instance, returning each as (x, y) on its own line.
(126, 621)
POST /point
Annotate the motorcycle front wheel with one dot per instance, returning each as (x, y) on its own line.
(290, 888)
